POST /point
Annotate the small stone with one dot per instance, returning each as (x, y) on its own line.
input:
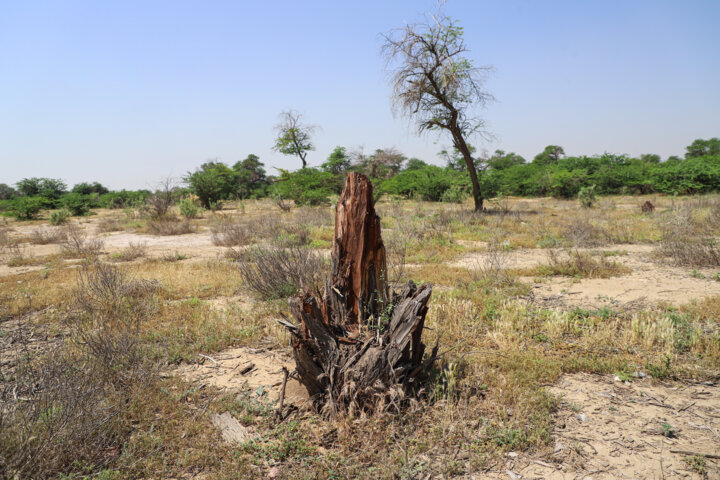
(639, 374)
(513, 454)
(274, 472)
(582, 417)
(558, 447)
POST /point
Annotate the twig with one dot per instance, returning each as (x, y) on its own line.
(282, 393)
(209, 358)
(696, 454)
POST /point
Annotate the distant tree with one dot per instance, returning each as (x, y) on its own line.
(86, 188)
(384, 163)
(550, 156)
(251, 176)
(294, 138)
(212, 182)
(436, 85)
(650, 158)
(6, 192)
(455, 159)
(338, 162)
(501, 160)
(700, 148)
(29, 187)
(415, 164)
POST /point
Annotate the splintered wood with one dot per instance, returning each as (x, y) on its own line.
(358, 345)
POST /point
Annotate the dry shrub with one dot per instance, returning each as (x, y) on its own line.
(12, 252)
(44, 236)
(492, 270)
(689, 233)
(171, 226)
(229, 232)
(69, 410)
(274, 272)
(582, 232)
(131, 252)
(314, 216)
(578, 264)
(78, 244)
(110, 224)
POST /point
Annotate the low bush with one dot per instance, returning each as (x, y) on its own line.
(79, 205)
(230, 232)
(25, 208)
(170, 226)
(281, 272)
(110, 224)
(578, 264)
(189, 209)
(72, 410)
(587, 196)
(132, 252)
(59, 217)
(44, 236)
(77, 243)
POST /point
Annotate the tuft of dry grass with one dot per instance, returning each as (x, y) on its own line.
(573, 263)
(110, 224)
(170, 226)
(132, 252)
(281, 272)
(77, 243)
(47, 235)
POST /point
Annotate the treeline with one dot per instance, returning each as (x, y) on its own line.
(550, 173)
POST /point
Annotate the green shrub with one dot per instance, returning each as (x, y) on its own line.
(58, 217)
(25, 208)
(188, 209)
(587, 196)
(454, 194)
(78, 204)
(308, 186)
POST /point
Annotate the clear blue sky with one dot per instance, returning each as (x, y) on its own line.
(126, 92)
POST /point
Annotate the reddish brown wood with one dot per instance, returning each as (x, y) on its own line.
(358, 345)
(359, 268)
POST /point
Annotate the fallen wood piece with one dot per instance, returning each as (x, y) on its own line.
(247, 369)
(696, 454)
(282, 394)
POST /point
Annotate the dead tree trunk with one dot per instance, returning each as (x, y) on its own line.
(358, 345)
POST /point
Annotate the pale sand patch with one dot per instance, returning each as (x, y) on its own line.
(608, 429)
(648, 282)
(263, 368)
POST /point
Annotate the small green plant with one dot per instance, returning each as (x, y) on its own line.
(698, 464)
(188, 209)
(668, 430)
(59, 217)
(696, 274)
(587, 196)
(660, 371)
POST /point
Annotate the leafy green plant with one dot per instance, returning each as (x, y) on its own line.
(587, 196)
(188, 209)
(59, 217)
(78, 204)
(25, 208)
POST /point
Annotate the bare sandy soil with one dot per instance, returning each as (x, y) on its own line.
(608, 429)
(649, 282)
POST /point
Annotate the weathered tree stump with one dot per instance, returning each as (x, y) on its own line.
(358, 345)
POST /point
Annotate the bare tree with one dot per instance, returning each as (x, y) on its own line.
(293, 136)
(436, 85)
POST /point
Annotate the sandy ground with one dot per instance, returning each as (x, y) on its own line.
(650, 281)
(239, 369)
(608, 429)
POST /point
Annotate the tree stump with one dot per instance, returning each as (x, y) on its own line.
(357, 345)
(647, 207)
